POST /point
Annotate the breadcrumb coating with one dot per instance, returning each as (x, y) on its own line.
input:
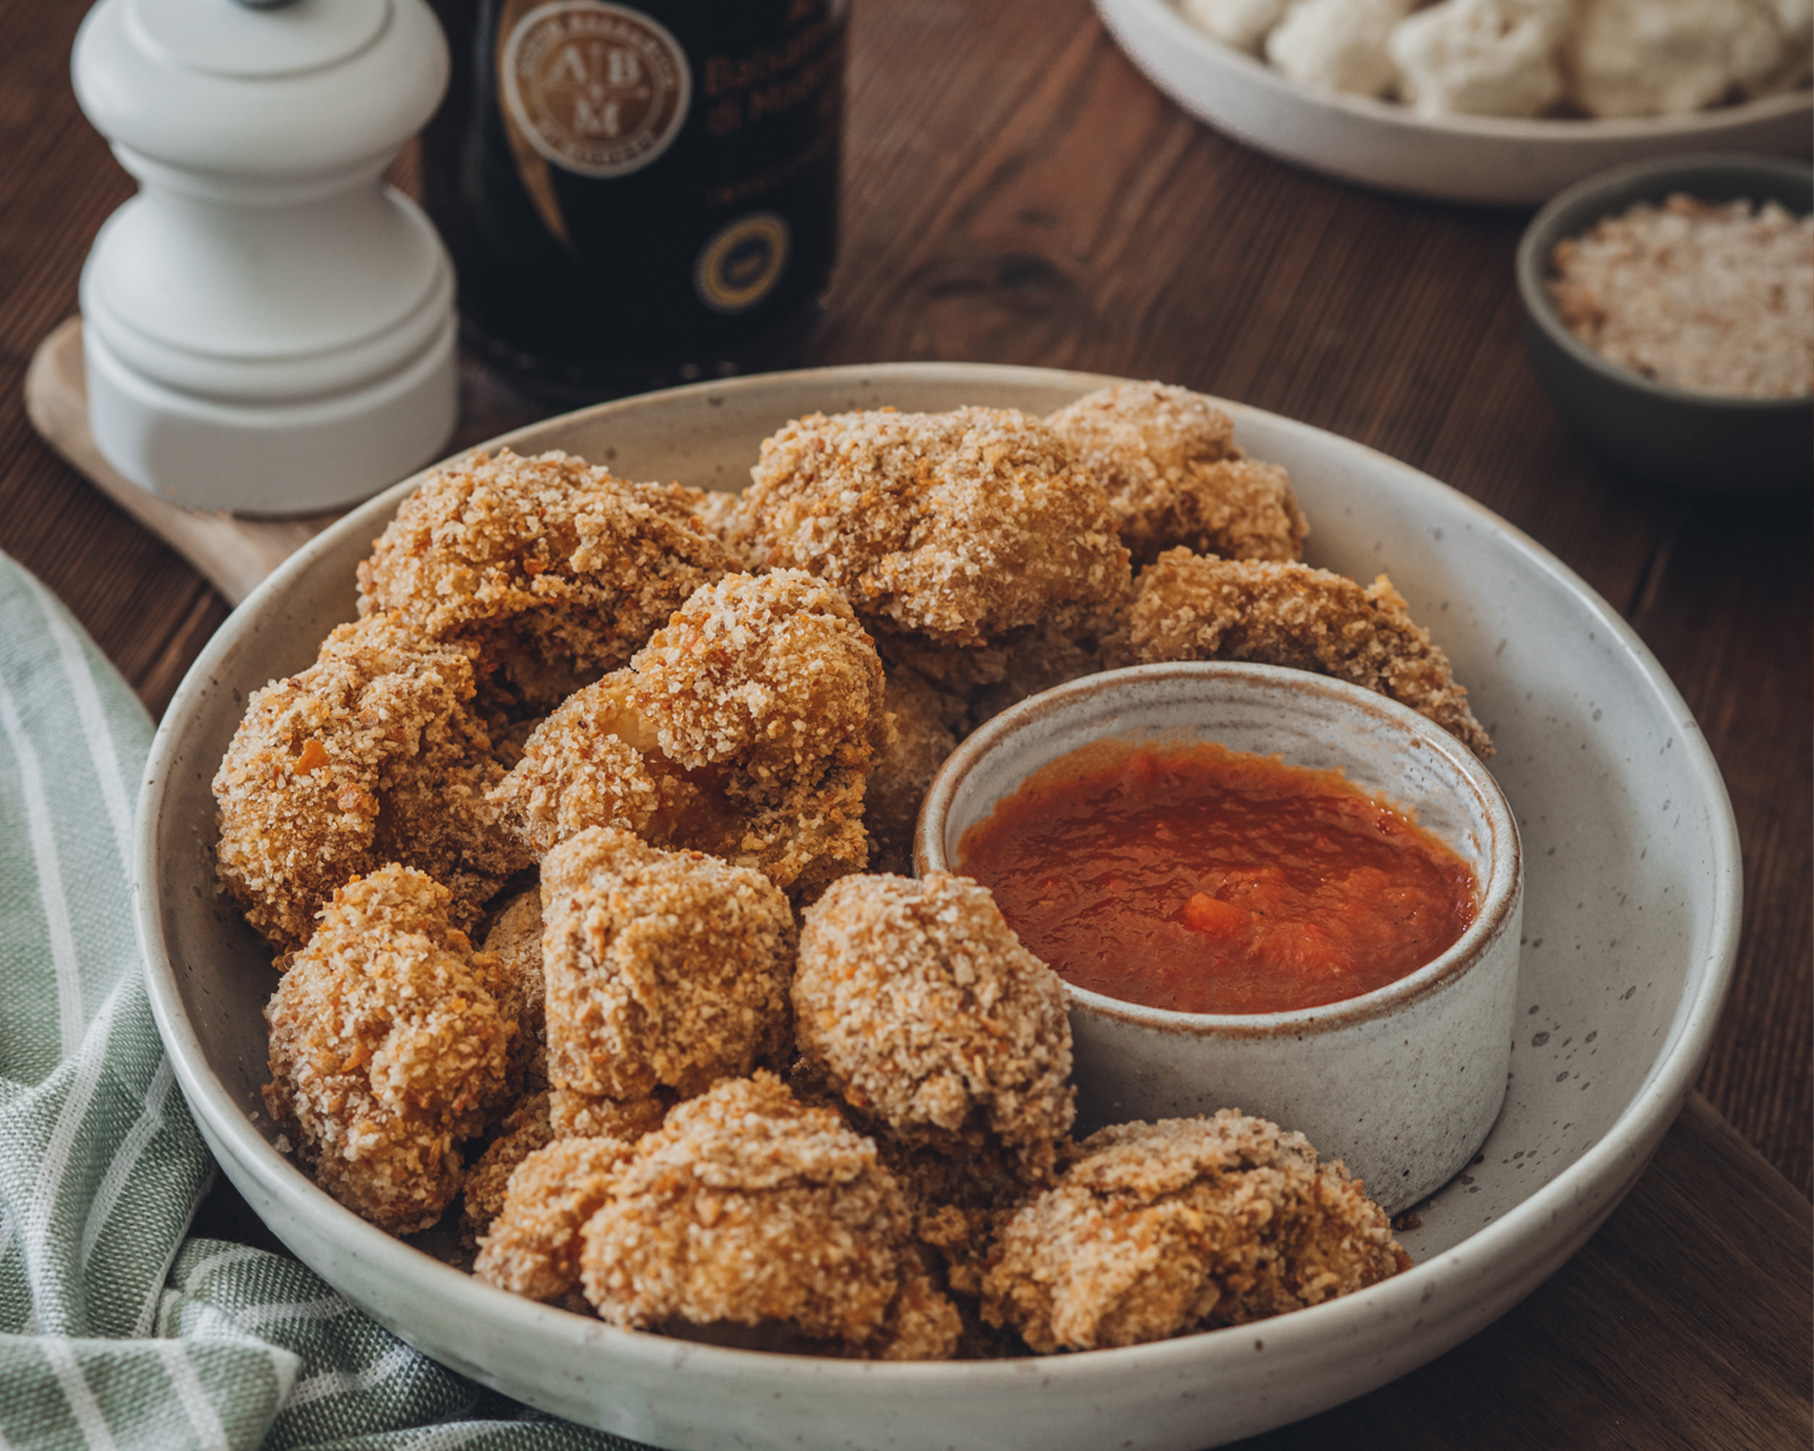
(1044, 657)
(580, 770)
(984, 680)
(922, 717)
(593, 762)
(920, 1006)
(574, 1115)
(664, 968)
(804, 843)
(746, 729)
(533, 1245)
(750, 1208)
(960, 1205)
(386, 1047)
(1190, 608)
(1157, 1229)
(559, 571)
(957, 526)
(723, 515)
(525, 1129)
(769, 673)
(1174, 476)
(515, 942)
(373, 754)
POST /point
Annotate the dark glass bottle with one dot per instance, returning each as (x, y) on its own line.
(637, 196)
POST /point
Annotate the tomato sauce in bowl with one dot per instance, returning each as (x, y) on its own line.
(1203, 880)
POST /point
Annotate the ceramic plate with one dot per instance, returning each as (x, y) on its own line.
(1499, 160)
(1631, 928)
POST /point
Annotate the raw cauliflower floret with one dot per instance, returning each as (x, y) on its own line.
(1794, 21)
(1481, 57)
(1665, 57)
(1243, 24)
(1340, 44)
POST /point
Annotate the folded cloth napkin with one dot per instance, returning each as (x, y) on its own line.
(115, 1330)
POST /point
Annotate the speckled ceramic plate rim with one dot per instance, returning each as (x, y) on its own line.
(1462, 1288)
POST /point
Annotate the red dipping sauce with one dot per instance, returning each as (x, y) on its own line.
(1211, 881)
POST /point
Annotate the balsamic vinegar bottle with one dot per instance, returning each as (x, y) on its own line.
(638, 196)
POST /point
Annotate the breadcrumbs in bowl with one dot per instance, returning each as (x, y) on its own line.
(1669, 310)
(1715, 297)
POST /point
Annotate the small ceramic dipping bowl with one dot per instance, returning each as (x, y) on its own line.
(1656, 432)
(1402, 1083)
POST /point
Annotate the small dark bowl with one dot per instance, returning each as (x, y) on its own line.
(1664, 434)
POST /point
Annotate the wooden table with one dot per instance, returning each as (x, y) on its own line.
(1017, 193)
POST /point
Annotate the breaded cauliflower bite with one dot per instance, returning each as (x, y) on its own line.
(593, 763)
(770, 674)
(957, 527)
(533, 1244)
(664, 968)
(1158, 1229)
(1189, 608)
(922, 717)
(746, 728)
(1175, 477)
(1043, 658)
(575, 1115)
(748, 1208)
(525, 1129)
(386, 1050)
(722, 515)
(373, 754)
(515, 944)
(557, 570)
(920, 1007)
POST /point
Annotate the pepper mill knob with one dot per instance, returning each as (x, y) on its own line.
(268, 327)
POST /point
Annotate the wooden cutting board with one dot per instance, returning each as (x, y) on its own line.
(233, 552)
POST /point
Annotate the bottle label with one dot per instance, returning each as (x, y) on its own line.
(595, 88)
(742, 262)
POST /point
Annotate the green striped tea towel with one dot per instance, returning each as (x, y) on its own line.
(116, 1333)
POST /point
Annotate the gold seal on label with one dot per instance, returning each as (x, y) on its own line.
(595, 88)
(742, 262)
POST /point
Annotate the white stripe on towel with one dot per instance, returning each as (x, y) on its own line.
(340, 1382)
(40, 831)
(70, 1119)
(82, 1404)
(125, 1160)
(196, 1405)
(94, 720)
(328, 1307)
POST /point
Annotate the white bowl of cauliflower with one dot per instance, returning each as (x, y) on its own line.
(1495, 101)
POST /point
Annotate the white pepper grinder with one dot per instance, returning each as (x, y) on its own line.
(268, 327)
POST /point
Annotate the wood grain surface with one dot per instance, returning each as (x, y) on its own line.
(1016, 192)
(232, 554)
